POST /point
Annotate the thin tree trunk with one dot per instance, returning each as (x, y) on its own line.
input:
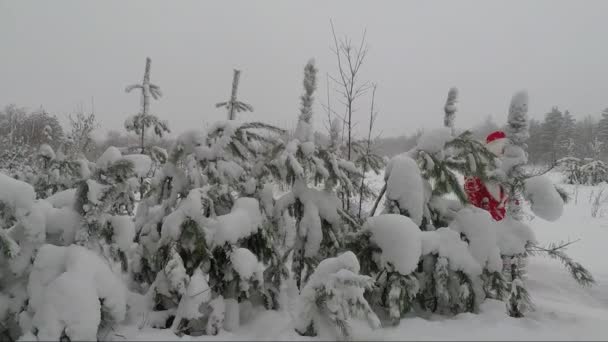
(380, 195)
(235, 85)
(146, 88)
(143, 131)
(367, 149)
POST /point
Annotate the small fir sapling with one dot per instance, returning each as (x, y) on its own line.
(105, 202)
(195, 217)
(335, 294)
(140, 122)
(58, 172)
(233, 106)
(22, 232)
(316, 212)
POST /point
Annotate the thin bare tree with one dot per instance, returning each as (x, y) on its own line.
(350, 59)
(369, 159)
(233, 105)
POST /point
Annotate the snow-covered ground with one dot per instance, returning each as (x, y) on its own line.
(563, 309)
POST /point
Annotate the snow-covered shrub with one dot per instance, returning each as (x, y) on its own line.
(571, 167)
(597, 199)
(58, 172)
(22, 232)
(594, 172)
(203, 212)
(17, 160)
(25, 225)
(317, 213)
(73, 293)
(334, 293)
(545, 200)
(105, 203)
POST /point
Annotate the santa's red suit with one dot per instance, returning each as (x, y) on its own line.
(489, 196)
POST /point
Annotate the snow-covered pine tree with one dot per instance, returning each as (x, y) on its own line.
(22, 232)
(565, 136)
(593, 172)
(106, 202)
(515, 157)
(140, 122)
(602, 129)
(450, 109)
(317, 213)
(233, 106)
(418, 185)
(550, 132)
(37, 278)
(571, 167)
(597, 147)
(202, 220)
(545, 201)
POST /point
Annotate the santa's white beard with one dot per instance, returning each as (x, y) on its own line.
(494, 190)
(496, 146)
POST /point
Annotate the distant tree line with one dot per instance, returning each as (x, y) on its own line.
(560, 135)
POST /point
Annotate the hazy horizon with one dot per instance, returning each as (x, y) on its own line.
(61, 54)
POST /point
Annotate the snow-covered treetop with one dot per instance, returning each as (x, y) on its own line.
(517, 129)
(450, 108)
(310, 85)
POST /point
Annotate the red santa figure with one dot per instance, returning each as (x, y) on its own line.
(489, 195)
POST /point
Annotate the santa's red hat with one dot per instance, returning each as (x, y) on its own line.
(496, 135)
(495, 142)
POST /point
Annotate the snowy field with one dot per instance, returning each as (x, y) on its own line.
(563, 310)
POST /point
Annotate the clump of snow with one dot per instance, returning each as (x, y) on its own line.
(545, 201)
(71, 304)
(190, 207)
(216, 319)
(85, 170)
(346, 260)
(189, 141)
(326, 201)
(304, 131)
(404, 185)
(318, 204)
(46, 151)
(142, 164)
(16, 194)
(308, 148)
(111, 155)
(399, 239)
(513, 156)
(65, 198)
(244, 262)
(229, 169)
(267, 198)
(513, 236)
(242, 221)
(66, 287)
(62, 222)
(481, 231)
(197, 293)
(95, 191)
(434, 140)
(447, 243)
(124, 231)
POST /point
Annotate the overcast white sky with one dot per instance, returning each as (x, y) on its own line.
(61, 53)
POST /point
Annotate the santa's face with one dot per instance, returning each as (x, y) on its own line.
(497, 147)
